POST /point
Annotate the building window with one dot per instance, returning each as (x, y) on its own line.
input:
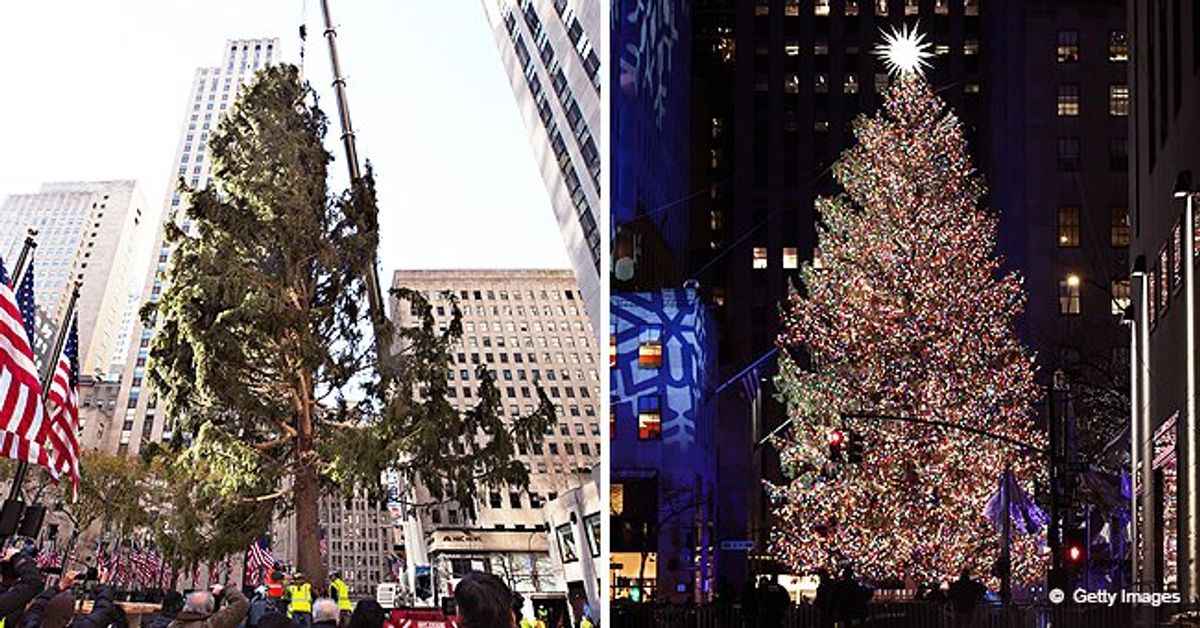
(791, 85)
(1068, 226)
(1068, 295)
(1118, 100)
(941, 7)
(650, 347)
(881, 7)
(612, 348)
(821, 7)
(1119, 232)
(1118, 154)
(850, 84)
(1068, 154)
(649, 418)
(760, 257)
(1118, 46)
(791, 8)
(1164, 280)
(912, 7)
(1121, 296)
(820, 83)
(1177, 257)
(971, 7)
(791, 257)
(1068, 99)
(1068, 46)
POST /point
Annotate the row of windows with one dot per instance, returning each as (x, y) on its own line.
(823, 8)
(1070, 296)
(527, 358)
(1068, 46)
(850, 85)
(526, 392)
(1068, 155)
(1166, 277)
(1068, 99)
(649, 418)
(1069, 226)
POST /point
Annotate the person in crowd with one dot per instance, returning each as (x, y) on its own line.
(172, 603)
(28, 584)
(199, 606)
(850, 599)
(367, 614)
(275, 620)
(964, 595)
(340, 591)
(326, 613)
(300, 598)
(274, 581)
(260, 605)
(484, 602)
(55, 607)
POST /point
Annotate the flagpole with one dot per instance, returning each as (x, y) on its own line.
(14, 490)
(26, 249)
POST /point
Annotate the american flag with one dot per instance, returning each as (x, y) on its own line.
(47, 557)
(63, 411)
(322, 545)
(21, 411)
(212, 573)
(396, 567)
(258, 560)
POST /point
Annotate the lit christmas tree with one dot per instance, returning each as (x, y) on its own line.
(904, 312)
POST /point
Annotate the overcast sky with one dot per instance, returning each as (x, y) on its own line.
(98, 90)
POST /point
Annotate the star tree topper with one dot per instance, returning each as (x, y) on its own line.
(904, 51)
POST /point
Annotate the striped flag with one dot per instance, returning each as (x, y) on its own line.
(212, 573)
(322, 545)
(258, 560)
(47, 557)
(21, 411)
(63, 411)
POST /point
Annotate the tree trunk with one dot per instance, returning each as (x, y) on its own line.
(306, 493)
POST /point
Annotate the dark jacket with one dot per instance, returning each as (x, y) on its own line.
(161, 620)
(325, 624)
(28, 585)
(233, 610)
(104, 612)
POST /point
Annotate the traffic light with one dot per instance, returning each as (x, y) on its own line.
(854, 448)
(837, 445)
(1074, 547)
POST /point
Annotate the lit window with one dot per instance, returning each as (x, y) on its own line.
(1068, 46)
(1153, 290)
(650, 347)
(792, 8)
(850, 85)
(649, 418)
(792, 49)
(1177, 257)
(971, 47)
(820, 83)
(1068, 295)
(912, 7)
(821, 7)
(616, 499)
(971, 88)
(1118, 100)
(1068, 227)
(941, 7)
(791, 257)
(1118, 46)
(1164, 280)
(970, 7)
(851, 7)
(612, 349)
(1119, 233)
(881, 7)
(760, 257)
(881, 82)
(1068, 99)
(1068, 154)
(762, 9)
(791, 84)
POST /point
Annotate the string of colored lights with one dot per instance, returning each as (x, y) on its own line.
(904, 311)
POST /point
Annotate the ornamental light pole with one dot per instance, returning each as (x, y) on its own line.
(1184, 189)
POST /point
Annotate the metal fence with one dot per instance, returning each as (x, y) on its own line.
(909, 615)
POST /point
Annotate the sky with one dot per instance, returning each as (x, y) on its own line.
(98, 90)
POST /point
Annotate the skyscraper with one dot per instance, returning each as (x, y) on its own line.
(530, 327)
(213, 92)
(86, 231)
(548, 49)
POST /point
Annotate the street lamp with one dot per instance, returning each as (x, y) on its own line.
(1185, 189)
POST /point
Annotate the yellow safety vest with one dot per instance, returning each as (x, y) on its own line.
(343, 595)
(301, 599)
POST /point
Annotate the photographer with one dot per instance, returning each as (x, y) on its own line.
(28, 584)
(55, 607)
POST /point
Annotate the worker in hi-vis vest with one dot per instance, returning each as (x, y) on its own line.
(340, 591)
(301, 599)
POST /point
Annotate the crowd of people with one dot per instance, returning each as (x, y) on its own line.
(283, 601)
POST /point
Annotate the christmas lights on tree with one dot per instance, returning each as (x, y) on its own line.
(904, 312)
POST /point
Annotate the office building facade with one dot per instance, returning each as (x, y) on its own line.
(531, 328)
(87, 231)
(549, 50)
(1165, 124)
